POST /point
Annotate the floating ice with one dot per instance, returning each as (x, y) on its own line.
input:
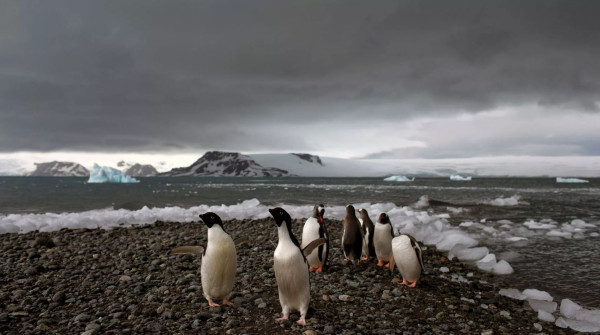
(558, 233)
(516, 239)
(511, 201)
(512, 293)
(456, 177)
(532, 293)
(399, 178)
(537, 225)
(106, 174)
(571, 180)
(452, 238)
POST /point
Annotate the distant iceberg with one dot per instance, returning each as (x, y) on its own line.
(456, 177)
(571, 180)
(399, 178)
(106, 174)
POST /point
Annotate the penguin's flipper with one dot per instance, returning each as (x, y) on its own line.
(392, 263)
(418, 251)
(312, 245)
(188, 250)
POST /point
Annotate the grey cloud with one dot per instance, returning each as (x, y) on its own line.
(141, 75)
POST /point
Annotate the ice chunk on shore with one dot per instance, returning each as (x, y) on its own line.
(545, 316)
(503, 268)
(532, 293)
(106, 174)
(399, 178)
(422, 203)
(456, 177)
(572, 310)
(468, 254)
(512, 293)
(571, 180)
(580, 326)
(538, 225)
(487, 263)
(453, 238)
(541, 305)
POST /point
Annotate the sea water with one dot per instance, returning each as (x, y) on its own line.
(548, 232)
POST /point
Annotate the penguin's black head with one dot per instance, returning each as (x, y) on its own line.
(384, 218)
(363, 212)
(318, 212)
(280, 216)
(350, 210)
(210, 219)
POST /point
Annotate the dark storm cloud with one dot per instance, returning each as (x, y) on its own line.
(165, 75)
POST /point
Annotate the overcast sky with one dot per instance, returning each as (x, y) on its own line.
(428, 79)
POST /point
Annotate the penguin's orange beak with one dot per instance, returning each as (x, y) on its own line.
(320, 219)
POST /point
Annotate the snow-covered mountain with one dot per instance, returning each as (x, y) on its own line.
(139, 170)
(59, 169)
(229, 164)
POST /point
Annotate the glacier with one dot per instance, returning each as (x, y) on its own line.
(106, 174)
(399, 178)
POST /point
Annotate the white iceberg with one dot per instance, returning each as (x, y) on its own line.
(456, 177)
(399, 179)
(571, 180)
(106, 174)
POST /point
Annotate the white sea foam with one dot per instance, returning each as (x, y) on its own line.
(510, 201)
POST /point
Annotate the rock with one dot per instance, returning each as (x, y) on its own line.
(93, 328)
(345, 297)
(59, 297)
(82, 318)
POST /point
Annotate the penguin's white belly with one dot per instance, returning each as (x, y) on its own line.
(310, 232)
(218, 269)
(406, 259)
(365, 248)
(291, 273)
(382, 241)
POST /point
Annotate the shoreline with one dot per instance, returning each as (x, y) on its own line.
(122, 281)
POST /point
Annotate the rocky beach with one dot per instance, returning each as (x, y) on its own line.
(123, 281)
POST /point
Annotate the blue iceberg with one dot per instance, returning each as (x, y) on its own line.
(106, 174)
(571, 180)
(399, 178)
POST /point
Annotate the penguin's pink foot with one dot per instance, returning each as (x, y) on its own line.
(283, 317)
(313, 268)
(380, 263)
(412, 285)
(212, 303)
(302, 320)
(227, 302)
(387, 266)
(346, 260)
(320, 268)
(404, 282)
(364, 258)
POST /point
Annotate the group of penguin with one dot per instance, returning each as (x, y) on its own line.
(292, 261)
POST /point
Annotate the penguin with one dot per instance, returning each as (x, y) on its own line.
(368, 229)
(219, 261)
(408, 256)
(382, 239)
(291, 268)
(352, 237)
(314, 228)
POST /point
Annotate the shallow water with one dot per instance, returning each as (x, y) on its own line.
(565, 267)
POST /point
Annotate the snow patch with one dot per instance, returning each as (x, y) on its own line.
(456, 177)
